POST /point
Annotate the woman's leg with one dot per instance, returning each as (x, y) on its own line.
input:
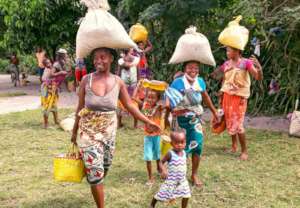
(233, 149)
(55, 116)
(195, 165)
(45, 121)
(244, 151)
(184, 202)
(98, 194)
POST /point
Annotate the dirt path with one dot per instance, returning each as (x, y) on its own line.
(32, 99)
(69, 100)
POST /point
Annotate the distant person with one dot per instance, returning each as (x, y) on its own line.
(40, 56)
(49, 91)
(14, 68)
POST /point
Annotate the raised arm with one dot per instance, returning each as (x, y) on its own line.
(149, 47)
(80, 106)
(256, 69)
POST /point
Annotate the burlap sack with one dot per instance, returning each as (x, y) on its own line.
(138, 33)
(234, 35)
(193, 46)
(100, 29)
(295, 122)
(68, 123)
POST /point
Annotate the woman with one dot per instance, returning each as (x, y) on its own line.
(187, 112)
(40, 56)
(49, 91)
(96, 119)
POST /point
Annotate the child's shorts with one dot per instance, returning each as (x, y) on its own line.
(151, 148)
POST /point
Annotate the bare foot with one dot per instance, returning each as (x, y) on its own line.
(56, 122)
(150, 182)
(196, 181)
(45, 126)
(230, 150)
(244, 156)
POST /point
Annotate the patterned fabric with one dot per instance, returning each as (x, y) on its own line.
(194, 133)
(151, 148)
(237, 78)
(154, 115)
(234, 110)
(49, 96)
(176, 184)
(97, 132)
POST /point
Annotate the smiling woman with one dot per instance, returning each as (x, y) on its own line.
(96, 119)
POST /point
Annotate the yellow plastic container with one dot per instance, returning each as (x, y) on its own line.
(138, 33)
(67, 168)
(165, 145)
(155, 85)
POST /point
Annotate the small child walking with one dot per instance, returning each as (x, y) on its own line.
(176, 184)
(153, 110)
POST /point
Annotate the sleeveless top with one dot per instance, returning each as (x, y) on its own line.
(177, 167)
(108, 102)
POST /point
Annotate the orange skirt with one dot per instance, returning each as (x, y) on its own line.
(234, 111)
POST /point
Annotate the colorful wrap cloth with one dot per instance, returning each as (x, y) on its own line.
(97, 132)
(49, 97)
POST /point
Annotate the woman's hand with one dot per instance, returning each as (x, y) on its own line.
(153, 127)
(256, 63)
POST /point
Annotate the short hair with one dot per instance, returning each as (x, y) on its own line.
(177, 131)
(45, 61)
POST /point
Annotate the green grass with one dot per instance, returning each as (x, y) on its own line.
(12, 94)
(271, 178)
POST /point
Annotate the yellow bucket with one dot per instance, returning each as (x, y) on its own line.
(165, 145)
(68, 167)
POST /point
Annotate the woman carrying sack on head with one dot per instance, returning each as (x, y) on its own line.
(236, 83)
(187, 92)
(99, 92)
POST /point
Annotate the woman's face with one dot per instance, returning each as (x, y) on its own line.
(102, 60)
(192, 69)
(232, 53)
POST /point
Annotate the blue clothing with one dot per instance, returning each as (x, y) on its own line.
(178, 84)
(194, 134)
(151, 148)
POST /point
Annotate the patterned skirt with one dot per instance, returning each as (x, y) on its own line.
(235, 108)
(49, 97)
(97, 132)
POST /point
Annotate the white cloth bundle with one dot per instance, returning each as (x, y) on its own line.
(193, 46)
(100, 29)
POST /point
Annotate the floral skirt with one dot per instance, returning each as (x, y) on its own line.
(235, 108)
(97, 132)
(49, 97)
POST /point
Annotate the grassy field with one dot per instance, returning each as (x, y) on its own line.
(271, 178)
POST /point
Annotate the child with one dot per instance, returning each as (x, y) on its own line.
(143, 69)
(236, 91)
(49, 91)
(153, 110)
(176, 184)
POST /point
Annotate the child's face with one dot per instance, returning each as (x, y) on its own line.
(152, 97)
(232, 53)
(178, 141)
(141, 45)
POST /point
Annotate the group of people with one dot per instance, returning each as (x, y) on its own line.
(102, 93)
(97, 122)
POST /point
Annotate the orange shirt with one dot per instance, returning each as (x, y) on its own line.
(148, 110)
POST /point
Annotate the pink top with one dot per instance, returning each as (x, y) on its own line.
(246, 64)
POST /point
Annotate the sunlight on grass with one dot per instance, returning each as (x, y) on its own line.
(269, 179)
(12, 94)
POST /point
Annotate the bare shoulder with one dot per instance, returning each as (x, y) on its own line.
(119, 81)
